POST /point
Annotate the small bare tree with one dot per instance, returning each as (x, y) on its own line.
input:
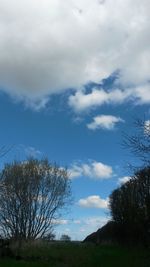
(32, 194)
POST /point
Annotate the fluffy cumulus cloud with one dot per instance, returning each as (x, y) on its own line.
(81, 100)
(94, 170)
(94, 202)
(51, 45)
(104, 122)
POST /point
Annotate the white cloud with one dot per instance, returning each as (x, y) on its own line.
(48, 46)
(94, 170)
(96, 221)
(147, 127)
(93, 202)
(142, 93)
(104, 121)
(83, 227)
(124, 179)
(81, 101)
(32, 151)
(28, 151)
(60, 222)
(91, 224)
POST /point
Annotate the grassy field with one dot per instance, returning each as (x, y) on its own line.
(79, 255)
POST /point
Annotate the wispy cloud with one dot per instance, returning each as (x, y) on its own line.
(96, 221)
(93, 202)
(92, 224)
(60, 222)
(107, 122)
(78, 229)
(27, 151)
(93, 170)
(31, 151)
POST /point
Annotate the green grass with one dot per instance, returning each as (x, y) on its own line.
(79, 255)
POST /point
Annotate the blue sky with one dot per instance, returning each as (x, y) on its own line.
(73, 77)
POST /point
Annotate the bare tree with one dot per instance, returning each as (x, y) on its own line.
(32, 193)
(139, 142)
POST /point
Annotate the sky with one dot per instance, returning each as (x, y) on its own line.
(74, 75)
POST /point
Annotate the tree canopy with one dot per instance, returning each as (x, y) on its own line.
(130, 207)
(32, 193)
(65, 238)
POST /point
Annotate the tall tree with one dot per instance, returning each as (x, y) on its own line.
(32, 193)
(130, 207)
